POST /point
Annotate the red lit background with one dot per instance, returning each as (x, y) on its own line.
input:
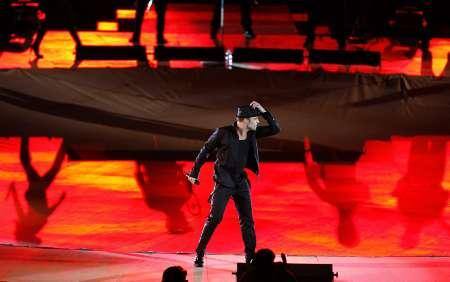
(393, 201)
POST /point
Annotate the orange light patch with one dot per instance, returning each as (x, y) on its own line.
(125, 14)
(107, 26)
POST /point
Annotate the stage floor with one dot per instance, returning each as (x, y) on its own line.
(188, 25)
(44, 264)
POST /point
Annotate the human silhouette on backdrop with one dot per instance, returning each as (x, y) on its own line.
(30, 222)
(421, 198)
(337, 185)
(166, 189)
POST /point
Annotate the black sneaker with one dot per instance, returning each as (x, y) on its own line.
(249, 259)
(249, 34)
(198, 262)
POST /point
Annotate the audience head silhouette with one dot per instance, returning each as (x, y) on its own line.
(174, 274)
(264, 258)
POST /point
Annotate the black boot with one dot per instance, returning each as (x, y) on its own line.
(249, 258)
(198, 262)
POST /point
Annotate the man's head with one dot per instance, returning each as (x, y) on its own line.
(247, 117)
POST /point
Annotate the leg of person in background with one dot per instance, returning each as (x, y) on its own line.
(161, 8)
(70, 23)
(215, 21)
(37, 42)
(426, 33)
(312, 8)
(141, 6)
(246, 18)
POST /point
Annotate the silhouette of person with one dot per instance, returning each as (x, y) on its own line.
(420, 195)
(31, 222)
(264, 269)
(338, 186)
(160, 8)
(60, 7)
(165, 188)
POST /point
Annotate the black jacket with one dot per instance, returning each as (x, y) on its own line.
(224, 140)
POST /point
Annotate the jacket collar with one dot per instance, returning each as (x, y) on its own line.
(234, 129)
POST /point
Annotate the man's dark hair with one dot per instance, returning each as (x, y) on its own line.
(174, 274)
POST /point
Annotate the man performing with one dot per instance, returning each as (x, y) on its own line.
(160, 8)
(236, 149)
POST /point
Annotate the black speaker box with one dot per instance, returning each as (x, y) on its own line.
(303, 272)
(268, 55)
(212, 54)
(111, 53)
(345, 57)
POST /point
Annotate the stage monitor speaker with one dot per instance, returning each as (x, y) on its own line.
(345, 57)
(303, 272)
(137, 53)
(211, 54)
(268, 55)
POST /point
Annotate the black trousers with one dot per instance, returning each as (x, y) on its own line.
(160, 8)
(242, 201)
(64, 8)
(246, 19)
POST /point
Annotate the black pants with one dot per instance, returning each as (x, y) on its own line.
(246, 20)
(62, 7)
(242, 201)
(160, 8)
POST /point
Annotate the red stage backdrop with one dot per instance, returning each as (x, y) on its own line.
(392, 202)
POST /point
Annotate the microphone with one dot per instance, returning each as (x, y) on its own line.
(196, 181)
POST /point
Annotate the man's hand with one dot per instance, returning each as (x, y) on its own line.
(192, 179)
(258, 106)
